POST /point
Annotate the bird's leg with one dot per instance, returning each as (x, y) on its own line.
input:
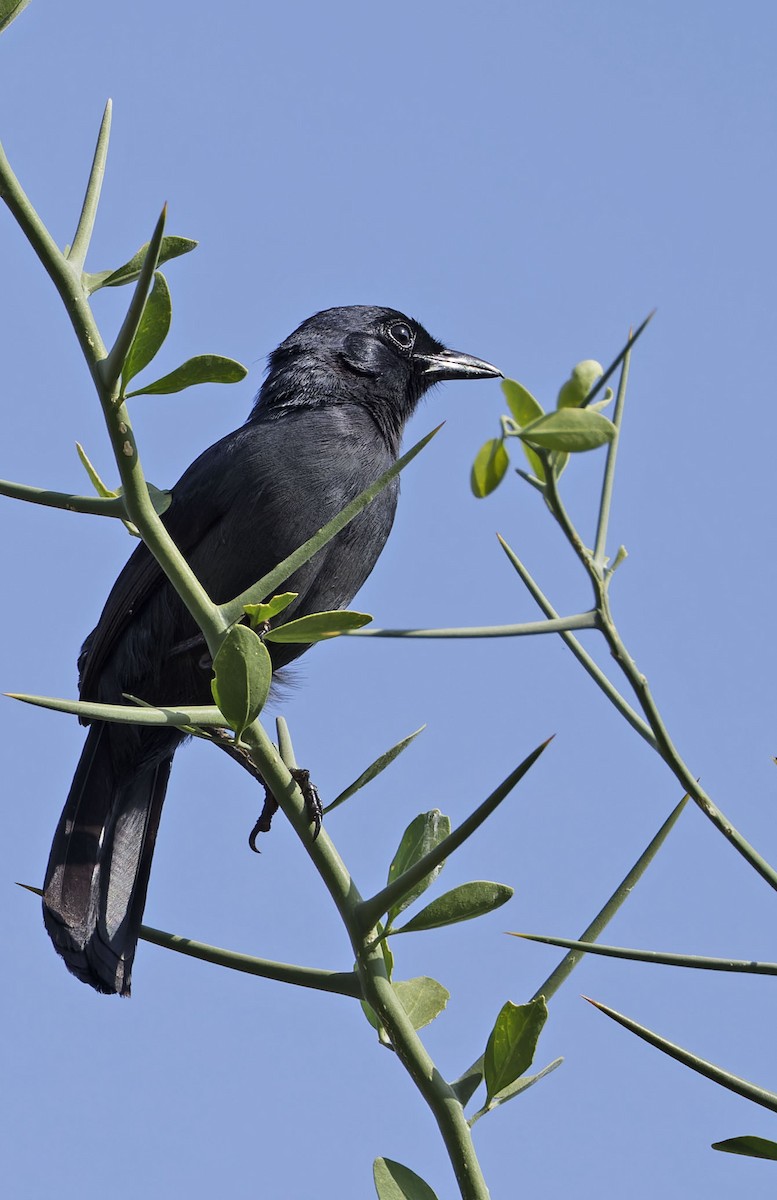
(241, 755)
(226, 742)
(301, 777)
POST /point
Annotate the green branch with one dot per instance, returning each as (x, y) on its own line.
(608, 910)
(273, 766)
(139, 507)
(126, 714)
(372, 910)
(733, 1083)
(343, 983)
(697, 962)
(83, 235)
(98, 506)
(582, 656)
(605, 504)
(650, 726)
(469, 1081)
(586, 620)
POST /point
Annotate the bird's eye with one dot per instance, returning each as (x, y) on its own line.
(401, 334)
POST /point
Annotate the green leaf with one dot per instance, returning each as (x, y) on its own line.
(572, 429)
(750, 1145)
(375, 768)
(171, 247)
(423, 833)
(388, 956)
(512, 1043)
(535, 462)
(521, 403)
(95, 480)
(395, 1182)
(242, 674)
(489, 468)
(317, 627)
(152, 330)
(514, 1089)
(463, 903)
(423, 999)
(259, 614)
(598, 405)
(203, 368)
(9, 11)
(558, 462)
(579, 384)
(160, 498)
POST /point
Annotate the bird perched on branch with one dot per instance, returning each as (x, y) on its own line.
(326, 424)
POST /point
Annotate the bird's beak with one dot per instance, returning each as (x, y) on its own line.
(452, 364)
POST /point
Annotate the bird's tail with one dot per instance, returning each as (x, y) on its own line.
(97, 877)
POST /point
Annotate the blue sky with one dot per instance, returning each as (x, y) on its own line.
(528, 181)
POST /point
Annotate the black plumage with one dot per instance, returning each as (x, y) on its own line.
(326, 423)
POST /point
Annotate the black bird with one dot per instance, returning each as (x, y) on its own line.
(326, 424)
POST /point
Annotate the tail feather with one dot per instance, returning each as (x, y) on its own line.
(100, 862)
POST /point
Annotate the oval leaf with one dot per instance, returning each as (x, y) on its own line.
(395, 1182)
(204, 368)
(489, 467)
(579, 384)
(152, 330)
(423, 833)
(259, 614)
(571, 429)
(318, 626)
(512, 1043)
(242, 674)
(523, 407)
(463, 903)
(423, 999)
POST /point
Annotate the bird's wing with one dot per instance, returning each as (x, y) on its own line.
(198, 505)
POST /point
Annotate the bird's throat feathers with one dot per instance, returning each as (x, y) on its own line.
(294, 383)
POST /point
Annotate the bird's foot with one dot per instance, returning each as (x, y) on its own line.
(313, 806)
(269, 810)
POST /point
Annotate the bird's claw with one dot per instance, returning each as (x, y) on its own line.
(269, 810)
(313, 807)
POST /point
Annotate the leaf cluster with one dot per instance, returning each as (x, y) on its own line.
(548, 438)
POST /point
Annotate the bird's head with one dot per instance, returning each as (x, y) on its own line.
(375, 357)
